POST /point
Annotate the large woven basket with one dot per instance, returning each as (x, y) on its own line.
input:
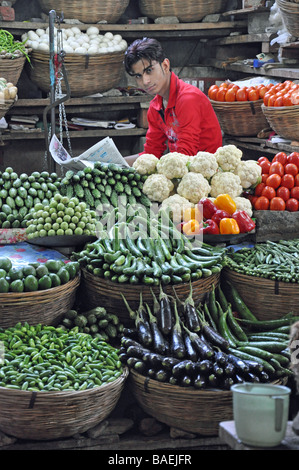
(196, 411)
(86, 74)
(290, 15)
(240, 118)
(98, 291)
(187, 11)
(266, 298)
(284, 120)
(87, 11)
(5, 106)
(54, 415)
(11, 69)
(42, 306)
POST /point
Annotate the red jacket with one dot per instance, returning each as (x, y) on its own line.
(188, 125)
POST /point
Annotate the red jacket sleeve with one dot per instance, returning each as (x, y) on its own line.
(156, 141)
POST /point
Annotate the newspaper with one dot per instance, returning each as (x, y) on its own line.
(103, 151)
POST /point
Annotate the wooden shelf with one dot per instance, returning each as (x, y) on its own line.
(243, 39)
(174, 31)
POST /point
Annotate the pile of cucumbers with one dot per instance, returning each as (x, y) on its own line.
(142, 250)
(45, 358)
(203, 346)
(35, 275)
(102, 185)
(97, 322)
(19, 193)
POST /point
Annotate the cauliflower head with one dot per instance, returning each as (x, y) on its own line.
(176, 204)
(243, 204)
(250, 173)
(146, 164)
(193, 187)
(157, 187)
(173, 165)
(226, 182)
(228, 157)
(204, 163)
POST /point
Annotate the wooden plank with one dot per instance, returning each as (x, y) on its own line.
(243, 39)
(16, 135)
(245, 11)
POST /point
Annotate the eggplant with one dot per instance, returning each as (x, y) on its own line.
(160, 345)
(184, 367)
(173, 380)
(204, 350)
(190, 312)
(229, 369)
(142, 326)
(166, 320)
(221, 357)
(241, 366)
(200, 382)
(186, 381)
(205, 366)
(177, 344)
(190, 350)
(211, 334)
(227, 383)
(132, 313)
(161, 375)
(169, 362)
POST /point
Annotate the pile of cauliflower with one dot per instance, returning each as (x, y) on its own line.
(179, 181)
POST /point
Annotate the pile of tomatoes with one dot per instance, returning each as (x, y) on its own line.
(281, 94)
(279, 188)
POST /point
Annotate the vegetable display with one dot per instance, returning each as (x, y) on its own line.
(279, 188)
(282, 94)
(206, 345)
(35, 276)
(10, 48)
(8, 91)
(44, 358)
(138, 250)
(20, 192)
(76, 41)
(271, 260)
(97, 322)
(61, 216)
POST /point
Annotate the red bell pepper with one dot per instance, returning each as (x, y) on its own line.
(208, 207)
(210, 227)
(245, 222)
(218, 215)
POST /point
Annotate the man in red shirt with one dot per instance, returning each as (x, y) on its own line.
(180, 116)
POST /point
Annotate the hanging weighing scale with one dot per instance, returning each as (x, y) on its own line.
(57, 98)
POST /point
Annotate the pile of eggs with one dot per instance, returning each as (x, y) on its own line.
(75, 41)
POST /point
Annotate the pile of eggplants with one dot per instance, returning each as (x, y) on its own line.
(173, 342)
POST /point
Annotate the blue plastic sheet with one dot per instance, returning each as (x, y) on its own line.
(24, 253)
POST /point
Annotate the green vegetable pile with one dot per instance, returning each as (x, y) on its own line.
(61, 216)
(138, 250)
(205, 345)
(35, 276)
(19, 194)
(103, 184)
(278, 261)
(97, 322)
(45, 358)
(10, 47)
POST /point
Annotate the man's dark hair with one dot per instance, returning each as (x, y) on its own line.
(146, 48)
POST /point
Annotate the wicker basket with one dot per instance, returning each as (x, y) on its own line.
(54, 415)
(290, 15)
(240, 118)
(196, 411)
(186, 12)
(87, 11)
(266, 298)
(86, 74)
(11, 69)
(98, 291)
(42, 306)
(284, 120)
(5, 106)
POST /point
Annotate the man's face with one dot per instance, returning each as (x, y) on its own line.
(152, 76)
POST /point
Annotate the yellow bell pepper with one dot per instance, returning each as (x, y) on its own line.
(192, 213)
(192, 227)
(226, 203)
(228, 226)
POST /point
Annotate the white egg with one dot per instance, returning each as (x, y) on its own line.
(109, 35)
(117, 38)
(123, 44)
(92, 30)
(76, 30)
(33, 36)
(40, 31)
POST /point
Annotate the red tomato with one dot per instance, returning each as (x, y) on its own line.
(284, 193)
(277, 168)
(269, 192)
(293, 158)
(265, 166)
(288, 181)
(264, 177)
(280, 157)
(258, 189)
(279, 101)
(252, 199)
(241, 94)
(273, 180)
(277, 204)
(292, 204)
(272, 100)
(253, 95)
(295, 192)
(262, 203)
(230, 95)
(261, 159)
(291, 169)
(262, 90)
(220, 95)
(212, 91)
(287, 100)
(296, 179)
